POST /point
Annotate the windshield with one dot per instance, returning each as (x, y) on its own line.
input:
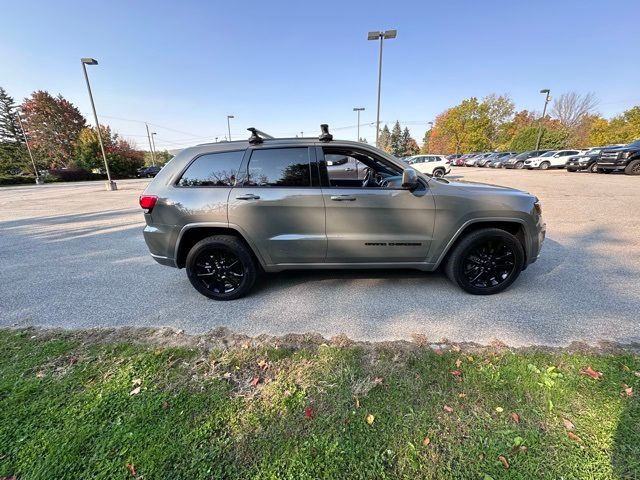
(549, 154)
(523, 156)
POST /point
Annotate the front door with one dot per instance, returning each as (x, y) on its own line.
(278, 205)
(377, 223)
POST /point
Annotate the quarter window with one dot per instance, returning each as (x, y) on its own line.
(213, 170)
(279, 167)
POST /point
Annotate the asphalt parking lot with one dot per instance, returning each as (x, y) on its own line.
(72, 255)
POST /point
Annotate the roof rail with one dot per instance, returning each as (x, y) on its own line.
(325, 136)
(258, 136)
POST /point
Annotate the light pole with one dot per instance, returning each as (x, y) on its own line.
(544, 112)
(39, 181)
(153, 142)
(229, 125)
(381, 36)
(429, 141)
(358, 109)
(111, 185)
(153, 154)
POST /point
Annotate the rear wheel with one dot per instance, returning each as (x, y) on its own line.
(593, 168)
(519, 165)
(438, 173)
(544, 166)
(633, 168)
(485, 261)
(221, 267)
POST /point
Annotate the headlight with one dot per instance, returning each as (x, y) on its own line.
(538, 207)
(623, 155)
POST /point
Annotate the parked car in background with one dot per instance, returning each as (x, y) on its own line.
(434, 165)
(499, 163)
(552, 159)
(496, 158)
(518, 161)
(483, 161)
(625, 158)
(148, 172)
(452, 158)
(460, 160)
(587, 160)
(472, 161)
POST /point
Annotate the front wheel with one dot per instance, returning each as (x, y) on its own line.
(438, 173)
(519, 165)
(485, 261)
(544, 166)
(221, 267)
(593, 168)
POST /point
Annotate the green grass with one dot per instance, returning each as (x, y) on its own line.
(66, 411)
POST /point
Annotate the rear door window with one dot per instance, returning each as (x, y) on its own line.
(279, 167)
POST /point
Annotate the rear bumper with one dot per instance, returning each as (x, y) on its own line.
(160, 240)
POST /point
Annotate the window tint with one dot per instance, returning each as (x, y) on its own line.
(213, 170)
(280, 167)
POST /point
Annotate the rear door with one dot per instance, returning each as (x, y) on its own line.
(278, 205)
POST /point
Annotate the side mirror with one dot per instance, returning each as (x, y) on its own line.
(409, 178)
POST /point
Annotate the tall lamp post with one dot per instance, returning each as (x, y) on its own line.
(111, 185)
(544, 112)
(153, 142)
(39, 180)
(358, 109)
(153, 154)
(388, 34)
(229, 117)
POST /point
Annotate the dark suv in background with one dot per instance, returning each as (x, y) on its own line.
(518, 160)
(621, 159)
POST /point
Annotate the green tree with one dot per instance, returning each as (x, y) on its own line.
(53, 125)
(162, 157)
(122, 157)
(499, 109)
(396, 143)
(13, 153)
(553, 137)
(384, 139)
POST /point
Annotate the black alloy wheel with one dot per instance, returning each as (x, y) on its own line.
(221, 267)
(485, 261)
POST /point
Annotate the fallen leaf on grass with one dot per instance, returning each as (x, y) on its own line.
(255, 381)
(447, 409)
(637, 374)
(455, 348)
(165, 405)
(309, 413)
(456, 373)
(378, 380)
(462, 395)
(370, 419)
(573, 437)
(590, 372)
(357, 402)
(504, 461)
(136, 381)
(263, 364)
(515, 417)
(628, 391)
(73, 360)
(426, 441)
(568, 424)
(135, 391)
(499, 409)
(458, 363)
(132, 469)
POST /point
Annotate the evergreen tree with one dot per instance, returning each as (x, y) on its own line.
(13, 154)
(384, 140)
(406, 139)
(396, 141)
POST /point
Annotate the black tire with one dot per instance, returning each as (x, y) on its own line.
(572, 169)
(519, 165)
(593, 168)
(225, 260)
(633, 168)
(544, 166)
(438, 173)
(467, 258)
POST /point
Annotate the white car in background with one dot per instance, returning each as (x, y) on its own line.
(552, 159)
(434, 165)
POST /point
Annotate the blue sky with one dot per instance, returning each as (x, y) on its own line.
(286, 67)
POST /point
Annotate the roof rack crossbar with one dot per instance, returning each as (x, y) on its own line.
(325, 136)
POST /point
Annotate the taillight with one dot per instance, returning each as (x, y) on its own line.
(148, 202)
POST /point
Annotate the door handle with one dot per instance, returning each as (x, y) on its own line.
(248, 196)
(349, 169)
(343, 198)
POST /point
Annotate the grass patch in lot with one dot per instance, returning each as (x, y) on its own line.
(74, 405)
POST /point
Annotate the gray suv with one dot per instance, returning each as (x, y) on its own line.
(226, 211)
